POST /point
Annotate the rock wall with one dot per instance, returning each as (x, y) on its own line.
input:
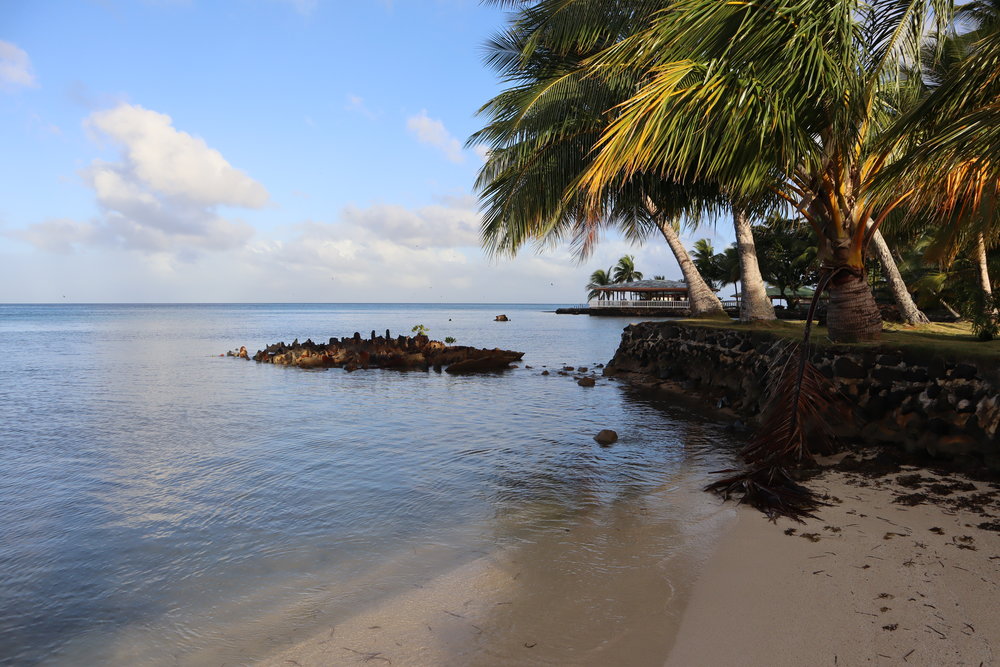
(916, 398)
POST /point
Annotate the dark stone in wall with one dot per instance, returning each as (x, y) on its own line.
(846, 367)
(964, 371)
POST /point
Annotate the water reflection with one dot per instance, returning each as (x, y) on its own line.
(163, 504)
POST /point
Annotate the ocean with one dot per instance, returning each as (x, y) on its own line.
(160, 504)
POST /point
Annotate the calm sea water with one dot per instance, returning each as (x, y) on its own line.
(164, 504)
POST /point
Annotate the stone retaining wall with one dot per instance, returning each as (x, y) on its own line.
(914, 398)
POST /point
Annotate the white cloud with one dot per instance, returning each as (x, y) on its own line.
(15, 67)
(369, 250)
(433, 132)
(427, 227)
(162, 194)
(483, 151)
(356, 104)
(381, 252)
(175, 163)
(58, 235)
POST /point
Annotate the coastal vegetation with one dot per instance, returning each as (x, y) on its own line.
(542, 133)
(625, 271)
(622, 272)
(622, 113)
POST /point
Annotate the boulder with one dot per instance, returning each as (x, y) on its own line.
(586, 382)
(492, 362)
(501, 318)
(606, 437)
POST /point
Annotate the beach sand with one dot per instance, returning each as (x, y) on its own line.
(872, 581)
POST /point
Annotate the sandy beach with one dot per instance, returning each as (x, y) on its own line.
(900, 569)
(897, 570)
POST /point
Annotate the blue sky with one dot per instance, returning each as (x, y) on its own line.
(255, 150)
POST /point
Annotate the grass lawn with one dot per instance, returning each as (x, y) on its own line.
(953, 340)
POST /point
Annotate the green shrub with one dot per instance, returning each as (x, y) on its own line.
(982, 314)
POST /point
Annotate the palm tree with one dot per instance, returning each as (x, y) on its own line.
(788, 260)
(541, 133)
(788, 96)
(962, 144)
(625, 270)
(704, 258)
(961, 195)
(599, 278)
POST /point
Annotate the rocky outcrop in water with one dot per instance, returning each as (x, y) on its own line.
(401, 353)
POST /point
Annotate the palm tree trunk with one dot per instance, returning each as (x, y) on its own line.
(947, 306)
(984, 272)
(984, 269)
(754, 305)
(852, 315)
(907, 308)
(704, 302)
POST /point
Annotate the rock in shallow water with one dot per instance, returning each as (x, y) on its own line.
(402, 353)
(606, 437)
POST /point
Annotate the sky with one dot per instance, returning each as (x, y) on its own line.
(258, 151)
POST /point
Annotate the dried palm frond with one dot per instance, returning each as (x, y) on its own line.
(771, 490)
(797, 408)
(798, 404)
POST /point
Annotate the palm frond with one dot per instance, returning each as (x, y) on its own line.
(771, 490)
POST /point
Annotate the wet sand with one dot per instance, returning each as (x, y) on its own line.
(608, 589)
(896, 571)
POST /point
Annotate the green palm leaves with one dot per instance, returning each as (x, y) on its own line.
(599, 278)
(542, 129)
(625, 271)
(788, 96)
(622, 272)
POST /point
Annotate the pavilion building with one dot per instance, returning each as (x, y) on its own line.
(652, 294)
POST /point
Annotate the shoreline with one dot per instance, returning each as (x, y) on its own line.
(608, 589)
(871, 581)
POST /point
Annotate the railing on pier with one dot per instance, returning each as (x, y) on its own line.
(654, 305)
